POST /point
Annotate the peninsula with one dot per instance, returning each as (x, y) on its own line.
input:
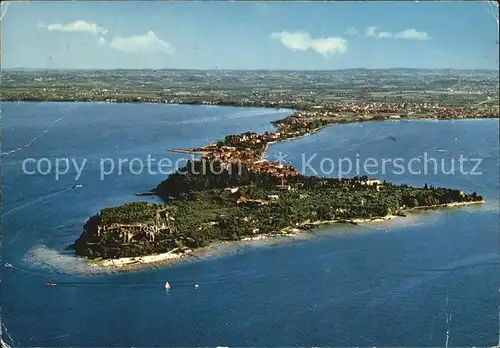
(233, 193)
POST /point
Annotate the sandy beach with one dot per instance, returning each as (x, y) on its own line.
(171, 255)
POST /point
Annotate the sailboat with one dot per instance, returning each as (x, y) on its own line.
(167, 285)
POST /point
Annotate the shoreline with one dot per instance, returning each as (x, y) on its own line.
(293, 108)
(447, 205)
(303, 230)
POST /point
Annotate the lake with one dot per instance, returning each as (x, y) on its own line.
(407, 283)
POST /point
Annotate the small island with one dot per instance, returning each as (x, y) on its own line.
(233, 193)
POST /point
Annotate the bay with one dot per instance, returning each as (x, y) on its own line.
(384, 284)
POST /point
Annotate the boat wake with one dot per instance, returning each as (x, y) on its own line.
(28, 144)
(38, 199)
(35, 201)
(6, 334)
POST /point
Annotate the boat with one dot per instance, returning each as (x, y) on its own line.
(50, 284)
(77, 186)
(167, 285)
(8, 265)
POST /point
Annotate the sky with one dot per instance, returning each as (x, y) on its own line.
(249, 35)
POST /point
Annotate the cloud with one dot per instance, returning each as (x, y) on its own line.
(76, 26)
(351, 31)
(102, 41)
(412, 34)
(295, 41)
(408, 34)
(329, 46)
(301, 41)
(147, 43)
(371, 31)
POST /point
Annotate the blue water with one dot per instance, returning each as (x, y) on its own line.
(385, 284)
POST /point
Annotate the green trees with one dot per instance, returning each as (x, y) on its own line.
(202, 175)
(135, 212)
(324, 213)
(412, 203)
